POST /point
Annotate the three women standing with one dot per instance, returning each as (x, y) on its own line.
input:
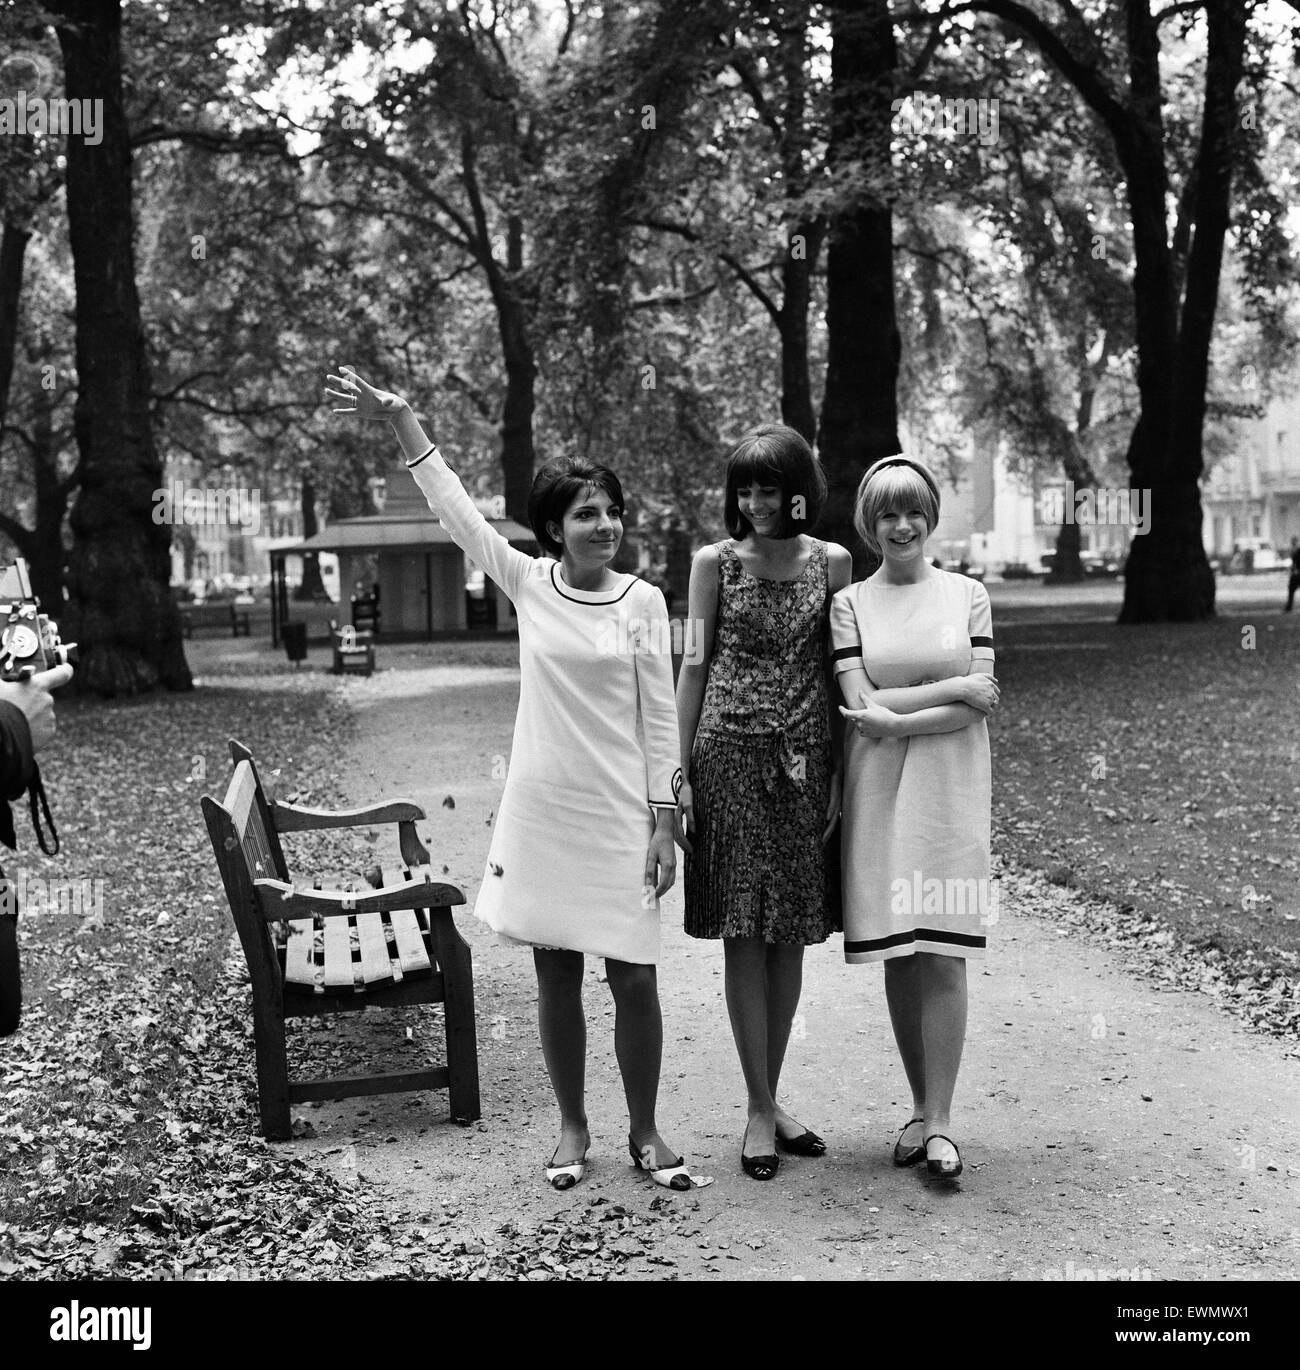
(761, 796)
(583, 844)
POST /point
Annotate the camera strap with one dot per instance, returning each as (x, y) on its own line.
(36, 794)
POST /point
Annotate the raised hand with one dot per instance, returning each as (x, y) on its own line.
(360, 398)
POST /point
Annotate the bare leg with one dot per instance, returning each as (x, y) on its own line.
(943, 1016)
(903, 995)
(784, 986)
(638, 1044)
(745, 960)
(563, 1030)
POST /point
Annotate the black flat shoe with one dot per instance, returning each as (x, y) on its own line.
(807, 1143)
(908, 1155)
(758, 1167)
(945, 1170)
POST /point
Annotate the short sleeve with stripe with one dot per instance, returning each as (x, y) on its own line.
(846, 636)
(980, 629)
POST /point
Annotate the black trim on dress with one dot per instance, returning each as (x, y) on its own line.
(631, 581)
(898, 939)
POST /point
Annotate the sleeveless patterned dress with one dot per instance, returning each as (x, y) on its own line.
(761, 763)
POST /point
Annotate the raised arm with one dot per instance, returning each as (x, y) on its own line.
(440, 485)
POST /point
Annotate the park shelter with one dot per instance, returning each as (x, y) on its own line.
(422, 573)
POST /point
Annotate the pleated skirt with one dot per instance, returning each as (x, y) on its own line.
(759, 867)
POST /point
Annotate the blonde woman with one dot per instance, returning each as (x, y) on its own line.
(913, 655)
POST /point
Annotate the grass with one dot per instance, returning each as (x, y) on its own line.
(1157, 767)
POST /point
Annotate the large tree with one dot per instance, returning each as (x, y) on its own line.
(1177, 261)
(120, 610)
(859, 418)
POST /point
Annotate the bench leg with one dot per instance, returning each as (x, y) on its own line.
(456, 964)
(272, 1070)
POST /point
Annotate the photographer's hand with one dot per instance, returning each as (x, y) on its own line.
(33, 697)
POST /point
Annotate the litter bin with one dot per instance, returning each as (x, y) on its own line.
(295, 641)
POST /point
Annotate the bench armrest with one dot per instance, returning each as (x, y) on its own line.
(280, 900)
(300, 818)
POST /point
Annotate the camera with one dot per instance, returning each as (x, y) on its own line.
(29, 639)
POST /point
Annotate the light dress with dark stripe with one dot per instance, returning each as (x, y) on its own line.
(761, 762)
(915, 824)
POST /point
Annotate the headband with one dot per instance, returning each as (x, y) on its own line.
(916, 466)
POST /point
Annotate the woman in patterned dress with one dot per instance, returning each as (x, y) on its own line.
(762, 783)
(583, 847)
(914, 659)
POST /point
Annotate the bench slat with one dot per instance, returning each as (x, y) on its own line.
(338, 953)
(376, 968)
(304, 1091)
(299, 963)
(410, 945)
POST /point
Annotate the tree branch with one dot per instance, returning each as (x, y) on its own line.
(1085, 77)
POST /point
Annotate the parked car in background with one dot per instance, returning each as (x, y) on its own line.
(1101, 565)
(1252, 555)
(1018, 570)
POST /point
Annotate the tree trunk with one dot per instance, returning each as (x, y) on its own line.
(517, 452)
(13, 247)
(121, 611)
(52, 492)
(312, 587)
(859, 419)
(1168, 577)
(805, 245)
(1068, 567)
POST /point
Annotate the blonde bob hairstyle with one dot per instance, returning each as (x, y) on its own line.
(890, 484)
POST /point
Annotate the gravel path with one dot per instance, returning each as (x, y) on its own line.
(1109, 1126)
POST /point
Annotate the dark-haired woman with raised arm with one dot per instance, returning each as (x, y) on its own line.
(582, 848)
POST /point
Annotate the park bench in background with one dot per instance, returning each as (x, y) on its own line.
(390, 945)
(224, 615)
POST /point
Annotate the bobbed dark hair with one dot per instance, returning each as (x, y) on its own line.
(556, 485)
(773, 454)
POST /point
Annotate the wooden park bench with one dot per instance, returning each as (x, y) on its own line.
(222, 615)
(390, 945)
